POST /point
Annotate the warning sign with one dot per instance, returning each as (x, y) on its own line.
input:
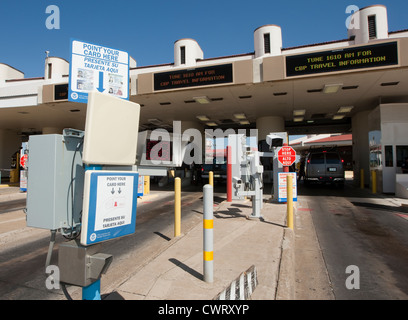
(283, 190)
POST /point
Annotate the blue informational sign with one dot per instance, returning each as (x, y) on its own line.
(109, 209)
(94, 67)
(140, 187)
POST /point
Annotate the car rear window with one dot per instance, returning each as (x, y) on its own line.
(317, 158)
(332, 158)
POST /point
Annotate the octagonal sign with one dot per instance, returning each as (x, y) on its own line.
(287, 156)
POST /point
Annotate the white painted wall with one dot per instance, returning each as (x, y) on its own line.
(7, 73)
(394, 132)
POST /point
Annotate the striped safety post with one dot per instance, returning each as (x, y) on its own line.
(208, 243)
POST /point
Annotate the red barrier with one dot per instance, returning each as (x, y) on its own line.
(229, 174)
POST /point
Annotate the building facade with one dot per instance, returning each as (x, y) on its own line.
(333, 87)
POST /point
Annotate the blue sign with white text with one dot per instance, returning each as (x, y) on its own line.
(95, 67)
(110, 201)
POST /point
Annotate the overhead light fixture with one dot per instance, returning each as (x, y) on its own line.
(211, 124)
(298, 119)
(387, 84)
(331, 88)
(314, 90)
(240, 116)
(350, 87)
(338, 117)
(202, 100)
(297, 113)
(345, 109)
(244, 122)
(203, 118)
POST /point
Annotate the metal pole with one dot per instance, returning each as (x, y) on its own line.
(289, 186)
(374, 180)
(146, 185)
(93, 291)
(208, 237)
(229, 174)
(211, 178)
(177, 206)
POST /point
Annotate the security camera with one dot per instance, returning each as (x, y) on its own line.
(274, 141)
(237, 182)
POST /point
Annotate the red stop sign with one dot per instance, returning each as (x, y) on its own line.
(23, 160)
(287, 156)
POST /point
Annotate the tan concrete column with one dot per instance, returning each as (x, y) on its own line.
(10, 142)
(361, 149)
(266, 125)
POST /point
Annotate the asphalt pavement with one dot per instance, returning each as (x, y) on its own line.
(253, 258)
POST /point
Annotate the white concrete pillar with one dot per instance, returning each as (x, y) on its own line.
(369, 23)
(55, 68)
(187, 52)
(268, 41)
(361, 150)
(266, 125)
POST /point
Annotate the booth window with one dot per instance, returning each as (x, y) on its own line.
(389, 156)
(49, 70)
(372, 27)
(267, 43)
(402, 153)
(183, 55)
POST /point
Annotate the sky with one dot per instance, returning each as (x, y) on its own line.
(148, 29)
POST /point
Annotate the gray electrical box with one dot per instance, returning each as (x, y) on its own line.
(55, 181)
(80, 265)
